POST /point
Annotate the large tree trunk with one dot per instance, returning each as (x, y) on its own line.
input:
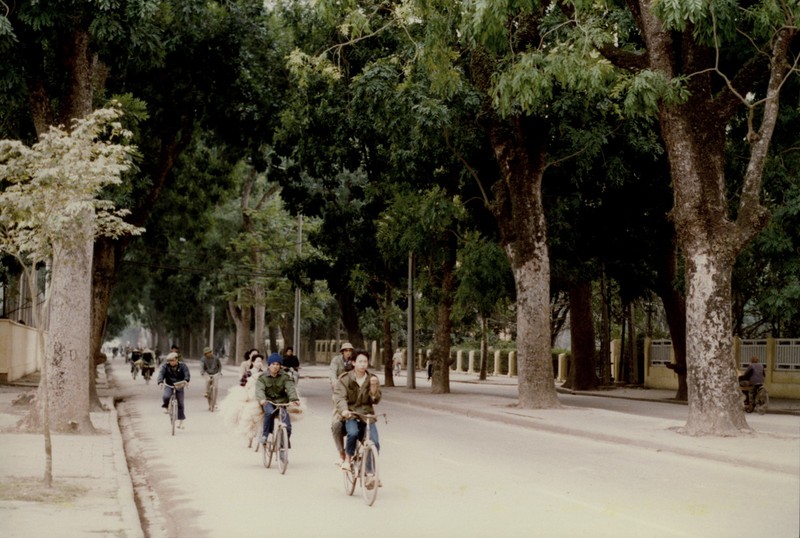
(520, 215)
(520, 148)
(582, 375)
(388, 344)
(70, 361)
(694, 135)
(68, 350)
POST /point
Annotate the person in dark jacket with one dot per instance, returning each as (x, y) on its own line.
(171, 372)
(752, 377)
(275, 386)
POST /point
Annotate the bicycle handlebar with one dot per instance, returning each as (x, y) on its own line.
(279, 404)
(178, 385)
(370, 418)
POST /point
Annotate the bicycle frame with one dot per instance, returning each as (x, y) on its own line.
(172, 406)
(364, 466)
(279, 444)
(213, 391)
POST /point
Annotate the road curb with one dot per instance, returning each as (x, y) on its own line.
(132, 525)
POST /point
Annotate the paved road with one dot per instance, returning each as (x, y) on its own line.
(444, 475)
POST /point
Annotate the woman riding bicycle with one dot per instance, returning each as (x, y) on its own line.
(357, 391)
(171, 372)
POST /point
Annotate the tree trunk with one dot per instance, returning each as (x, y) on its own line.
(520, 150)
(605, 330)
(484, 348)
(675, 310)
(388, 344)
(694, 134)
(350, 318)
(69, 335)
(582, 375)
(244, 338)
(440, 355)
(70, 360)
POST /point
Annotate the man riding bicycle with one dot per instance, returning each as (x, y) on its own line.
(357, 391)
(754, 378)
(210, 365)
(171, 372)
(275, 386)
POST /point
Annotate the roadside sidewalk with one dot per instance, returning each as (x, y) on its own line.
(92, 493)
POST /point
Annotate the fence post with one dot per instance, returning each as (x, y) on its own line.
(496, 363)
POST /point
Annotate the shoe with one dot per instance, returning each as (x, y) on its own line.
(166, 411)
(345, 466)
(380, 484)
(341, 456)
(263, 440)
(180, 424)
(370, 482)
(205, 395)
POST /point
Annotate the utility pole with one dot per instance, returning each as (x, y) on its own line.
(299, 245)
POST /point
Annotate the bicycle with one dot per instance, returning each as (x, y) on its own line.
(278, 442)
(213, 391)
(172, 407)
(759, 402)
(364, 465)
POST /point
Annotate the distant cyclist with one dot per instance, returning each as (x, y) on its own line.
(754, 378)
(291, 363)
(210, 365)
(170, 373)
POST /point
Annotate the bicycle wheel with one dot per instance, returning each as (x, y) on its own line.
(269, 450)
(212, 396)
(173, 412)
(282, 442)
(762, 402)
(369, 474)
(351, 476)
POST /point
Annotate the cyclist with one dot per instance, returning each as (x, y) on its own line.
(754, 378)
(148, 362)
(170, 373)
(357, 391)
(210, 365)
(341, 363)
(275, 385)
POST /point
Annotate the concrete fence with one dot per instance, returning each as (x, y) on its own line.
(781, 358)
(19, 351)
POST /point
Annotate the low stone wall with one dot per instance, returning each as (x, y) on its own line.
(19, 354)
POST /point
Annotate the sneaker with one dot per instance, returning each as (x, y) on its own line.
(263, 440)
(345, 466)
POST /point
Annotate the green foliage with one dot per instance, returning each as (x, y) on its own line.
(47, 188)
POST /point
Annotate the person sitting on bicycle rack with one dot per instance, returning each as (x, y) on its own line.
(753, 378)
(291, 363)
(275, 386)
(170, 373)
(357, 391)
(210, 365)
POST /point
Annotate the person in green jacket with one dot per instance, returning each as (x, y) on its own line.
(357, 391)
(275, 386)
